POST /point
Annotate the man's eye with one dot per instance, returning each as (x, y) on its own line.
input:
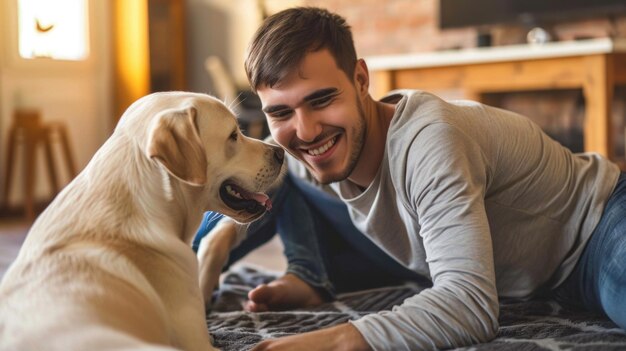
(281, 114)
(322, 102)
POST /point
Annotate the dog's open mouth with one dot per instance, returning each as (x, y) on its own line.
(239, 199)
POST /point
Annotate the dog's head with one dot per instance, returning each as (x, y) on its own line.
(196, 139)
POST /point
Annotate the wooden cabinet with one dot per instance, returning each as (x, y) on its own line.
(149, 49)
(595, 66)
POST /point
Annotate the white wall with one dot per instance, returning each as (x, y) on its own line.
(77, 93)
(223, 28)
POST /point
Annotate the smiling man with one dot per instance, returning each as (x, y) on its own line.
(322, 120)
(476, 199)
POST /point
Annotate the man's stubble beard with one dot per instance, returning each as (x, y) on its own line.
(359, 132)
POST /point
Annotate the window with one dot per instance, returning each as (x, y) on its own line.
(53, 29)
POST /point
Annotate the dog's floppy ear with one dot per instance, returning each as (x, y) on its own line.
(175, 143)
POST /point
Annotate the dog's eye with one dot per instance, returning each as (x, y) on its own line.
(234, 136)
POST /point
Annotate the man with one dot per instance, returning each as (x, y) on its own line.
(477, 199)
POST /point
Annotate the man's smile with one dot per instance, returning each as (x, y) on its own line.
(320, 150)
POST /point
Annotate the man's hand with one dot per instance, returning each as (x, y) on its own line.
(343, 337)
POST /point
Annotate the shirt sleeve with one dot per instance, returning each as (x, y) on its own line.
(445, 177)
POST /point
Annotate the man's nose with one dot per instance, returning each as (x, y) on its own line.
(307, 126)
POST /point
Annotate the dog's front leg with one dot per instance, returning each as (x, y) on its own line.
(213, 254)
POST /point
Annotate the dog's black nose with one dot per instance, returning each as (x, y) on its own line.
(279, 154)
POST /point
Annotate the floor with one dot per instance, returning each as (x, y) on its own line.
(13, 232)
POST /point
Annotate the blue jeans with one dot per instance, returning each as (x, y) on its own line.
(322, 246)
(598, 281)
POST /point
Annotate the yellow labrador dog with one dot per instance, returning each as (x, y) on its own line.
(108, 265)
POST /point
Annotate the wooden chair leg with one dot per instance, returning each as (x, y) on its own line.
(8, 176)
(67, 151)
(30, 132)
(52, 174)
(30, 146)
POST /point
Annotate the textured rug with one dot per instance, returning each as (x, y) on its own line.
(533, 325)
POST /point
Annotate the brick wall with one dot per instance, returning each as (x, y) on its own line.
(396, 26)
(408, 26)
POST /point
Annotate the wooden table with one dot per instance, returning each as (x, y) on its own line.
(596, 66)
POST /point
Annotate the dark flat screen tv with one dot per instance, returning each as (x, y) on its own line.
(471, 13)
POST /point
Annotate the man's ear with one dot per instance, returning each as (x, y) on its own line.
(174, 141)
(361, 76)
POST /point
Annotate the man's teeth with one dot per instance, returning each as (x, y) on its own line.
(322, 149)
(232, 192)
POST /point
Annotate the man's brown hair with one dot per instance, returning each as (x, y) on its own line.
(284, 38)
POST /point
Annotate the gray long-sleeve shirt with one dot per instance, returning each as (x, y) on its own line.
(483, 203)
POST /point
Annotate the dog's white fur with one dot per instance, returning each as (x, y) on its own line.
(108, 265)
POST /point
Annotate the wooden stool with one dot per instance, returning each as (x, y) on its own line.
(29, 131)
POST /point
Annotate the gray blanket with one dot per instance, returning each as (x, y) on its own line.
(532, 325)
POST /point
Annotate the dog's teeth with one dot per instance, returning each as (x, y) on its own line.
(232, 192)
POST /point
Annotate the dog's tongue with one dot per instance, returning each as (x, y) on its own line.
(261, 198)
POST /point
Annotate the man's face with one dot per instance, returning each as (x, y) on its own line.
(316, 115)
